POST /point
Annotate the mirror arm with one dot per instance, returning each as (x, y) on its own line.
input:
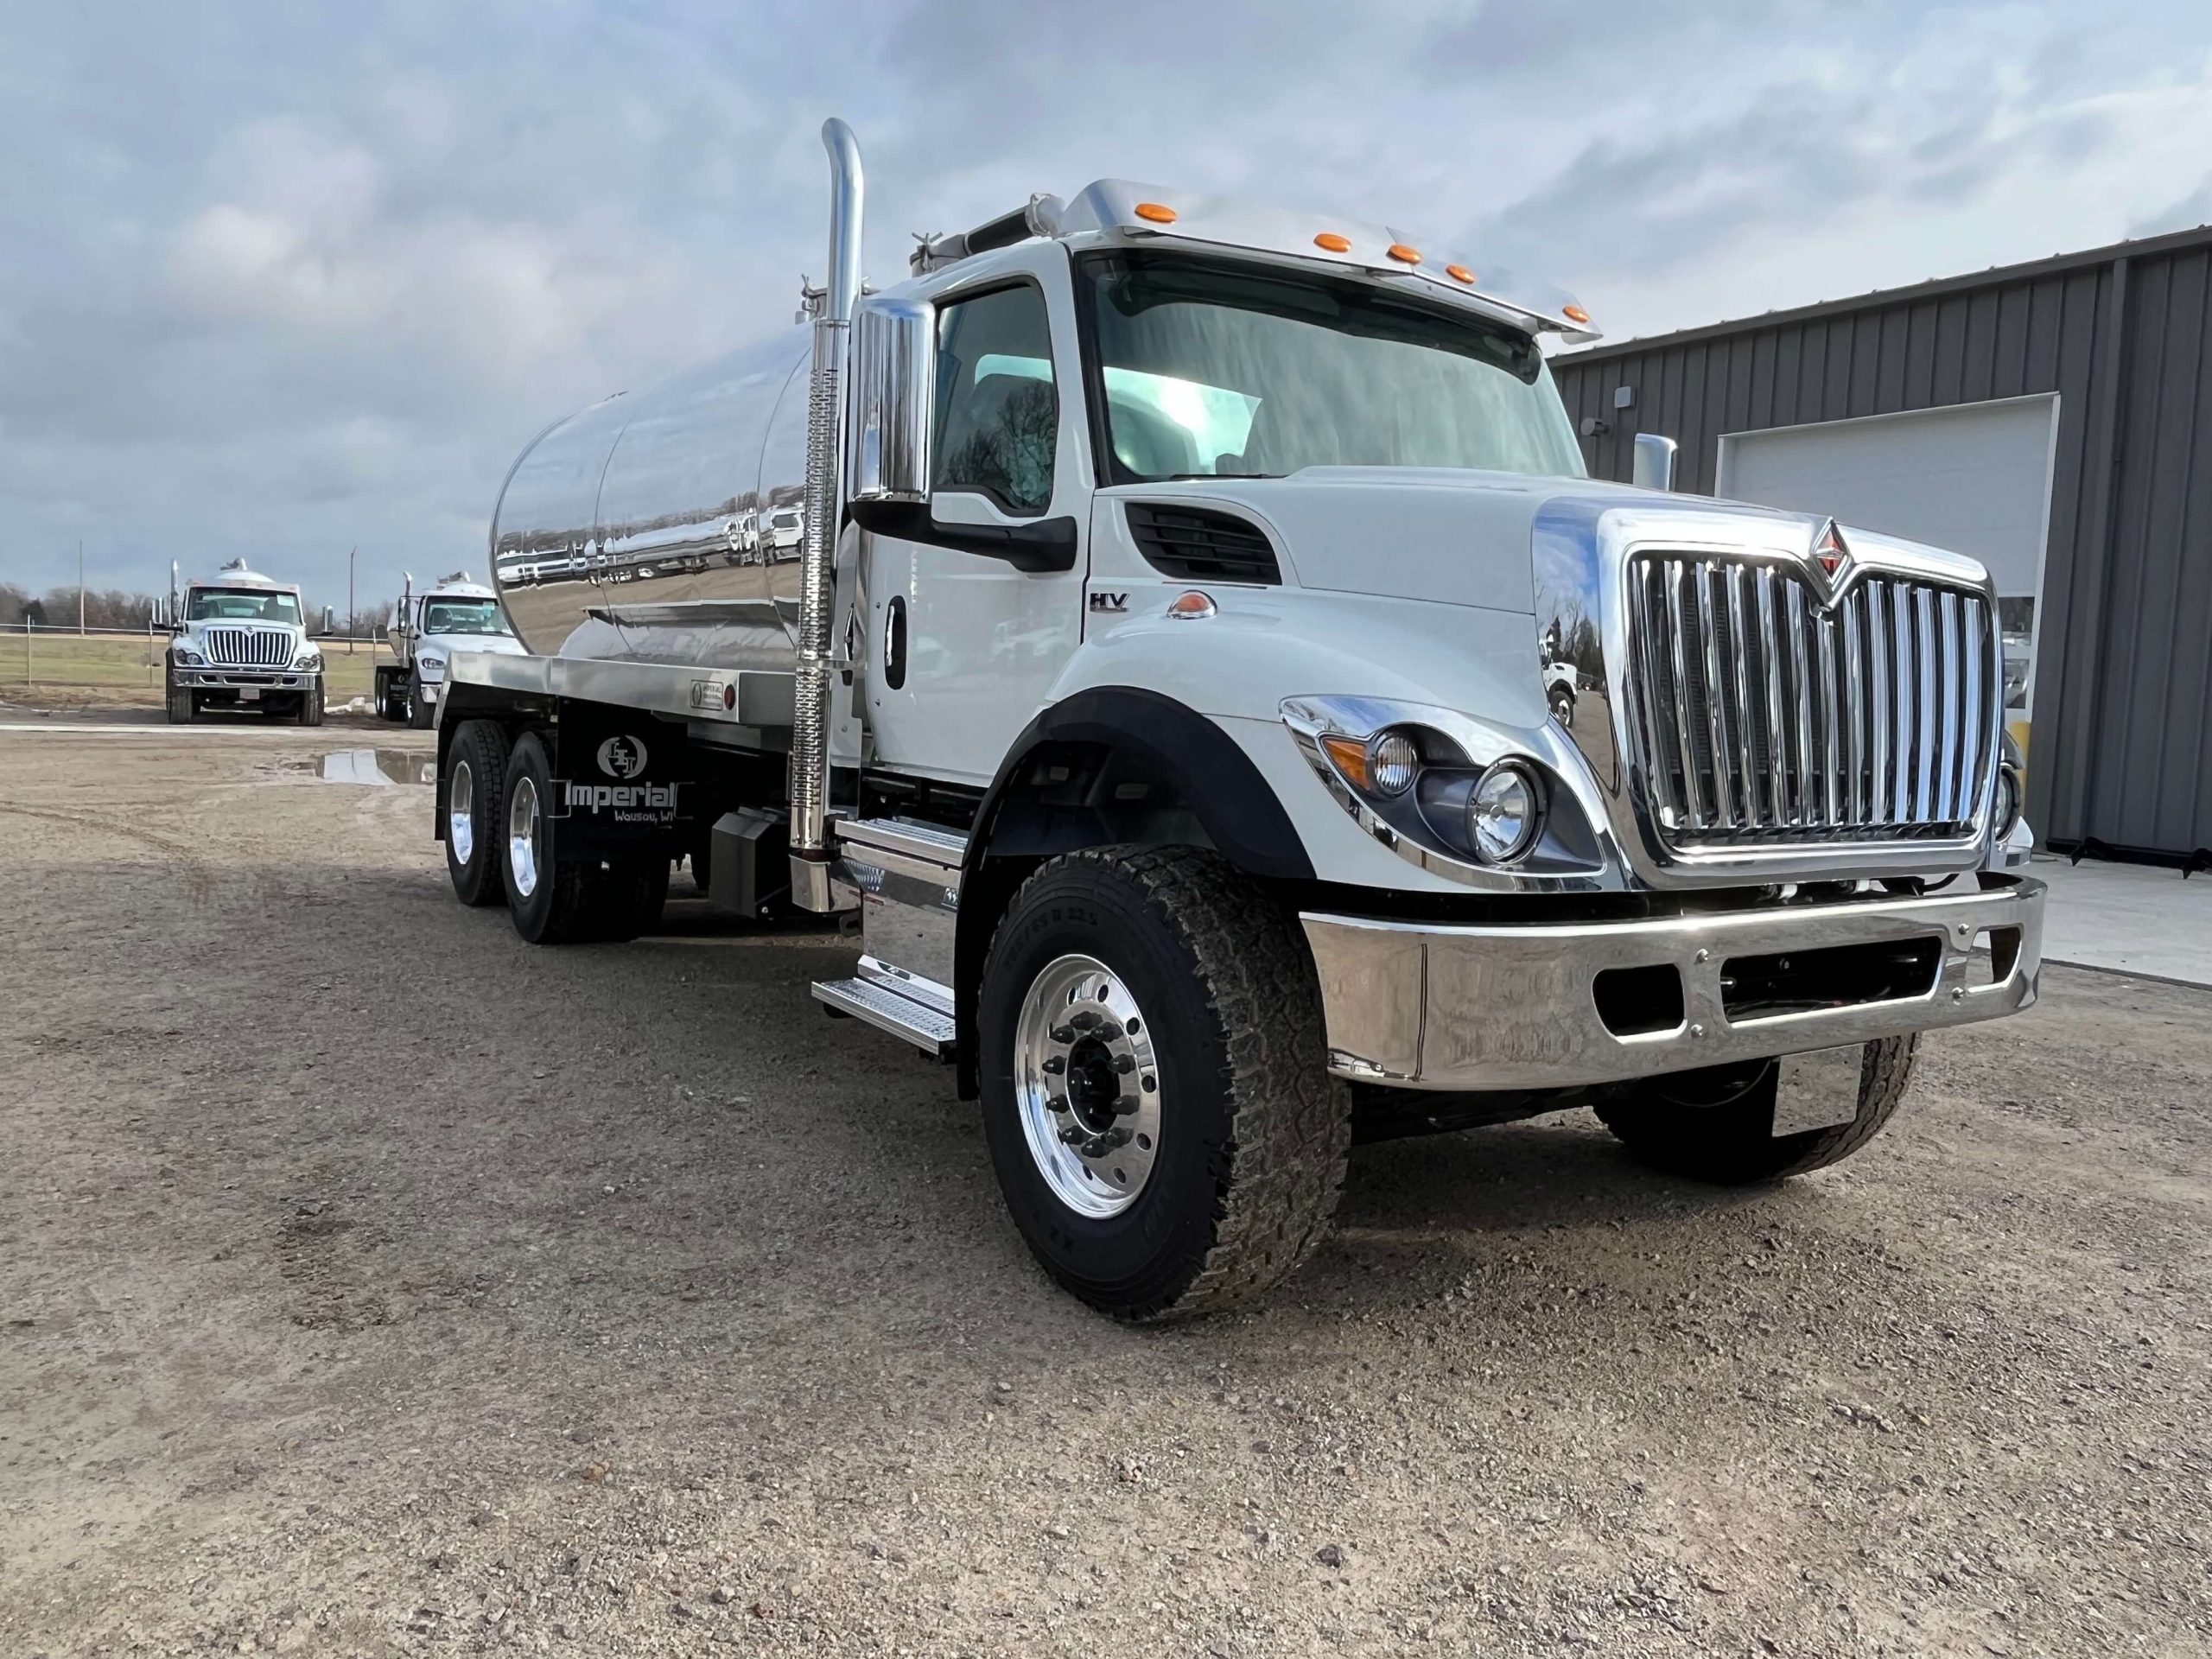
(1048, 545)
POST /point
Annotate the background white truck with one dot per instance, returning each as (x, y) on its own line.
(1170, 676)
(240, 640)
(425, 630)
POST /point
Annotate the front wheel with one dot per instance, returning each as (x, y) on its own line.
(1156, 1092)
(420, 715)
(309, 713)
(183, 706)
(1708, 1127)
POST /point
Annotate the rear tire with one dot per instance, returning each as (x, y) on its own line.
(1732, 1143)
(1252, 1132)
(475, 833)
(551, 903)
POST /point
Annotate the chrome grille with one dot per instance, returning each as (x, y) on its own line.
(250, 647)
(1768, 718)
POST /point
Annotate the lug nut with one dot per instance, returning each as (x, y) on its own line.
(1126, 1106)
(1082, 1019)
(1073, 1132)
(1063, 1034)
(1056, 1103)
(1054, 1065)
(1125, 1064)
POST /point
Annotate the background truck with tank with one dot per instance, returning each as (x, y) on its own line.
(239, 641)
(425, 631)
(1239, 726)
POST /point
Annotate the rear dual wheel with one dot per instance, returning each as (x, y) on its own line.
(563, 902)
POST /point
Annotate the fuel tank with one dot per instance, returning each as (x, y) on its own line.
(665, 526)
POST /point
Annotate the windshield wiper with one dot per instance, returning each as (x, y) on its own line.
(1177, 478)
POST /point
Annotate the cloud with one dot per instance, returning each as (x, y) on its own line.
(283, 280)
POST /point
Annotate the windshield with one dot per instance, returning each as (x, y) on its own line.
(464, 616)
(243, 605)
(1228, 370)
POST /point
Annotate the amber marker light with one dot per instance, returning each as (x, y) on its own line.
(1404, 255)
(1575, 314)
(1333, 243)
(1156, 212)
(1351, 755)
(1190, 606)
(1460, 274)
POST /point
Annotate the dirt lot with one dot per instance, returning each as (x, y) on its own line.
(372, 1283)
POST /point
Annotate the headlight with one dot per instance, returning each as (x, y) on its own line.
(430, 664)
(187, 658)
(1393, 762)
(308, 660)
(1504, 813)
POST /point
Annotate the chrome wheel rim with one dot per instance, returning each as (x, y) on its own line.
(460, 812)
(522, 836)
(1087, 1082)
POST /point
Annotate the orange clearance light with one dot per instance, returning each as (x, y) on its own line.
(1333, 242)
(1158, 213)
(1460, 274)
(1404, 255)
(1575, 314)
(1191, 606)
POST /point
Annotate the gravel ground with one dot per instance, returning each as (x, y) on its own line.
(372, 1283)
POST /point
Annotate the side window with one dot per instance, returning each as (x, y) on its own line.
(998, 412)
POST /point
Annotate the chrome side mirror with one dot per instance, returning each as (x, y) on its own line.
(1655, 462)
(889, 400)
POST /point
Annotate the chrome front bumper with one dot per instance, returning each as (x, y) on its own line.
(1437, 1006)
(244, 679)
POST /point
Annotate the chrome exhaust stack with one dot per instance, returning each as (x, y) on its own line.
(831, 307)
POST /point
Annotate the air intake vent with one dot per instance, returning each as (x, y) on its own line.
(1194, 545)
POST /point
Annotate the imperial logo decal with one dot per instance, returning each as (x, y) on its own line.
(622, 799)
(622, 756)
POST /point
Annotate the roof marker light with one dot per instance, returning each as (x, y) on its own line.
(1404, 255)
(1460, 274)
(1156, 212)
(1333, 242)
(1575, 314)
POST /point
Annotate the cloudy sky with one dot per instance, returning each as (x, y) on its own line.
(281, 281)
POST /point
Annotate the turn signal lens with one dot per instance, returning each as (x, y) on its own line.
(1190, 605)
(1504, 814)
(2008, 801)
(1575, 314)
(1404, 255)
(1460, 274)
(1156, 212)
(1351, 755)
(1333, 242)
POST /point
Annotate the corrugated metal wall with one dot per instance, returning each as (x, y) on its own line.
(2122, 747)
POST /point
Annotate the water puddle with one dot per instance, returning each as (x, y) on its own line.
(378, 767)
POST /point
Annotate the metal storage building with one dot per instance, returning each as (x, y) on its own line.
(2055, 420)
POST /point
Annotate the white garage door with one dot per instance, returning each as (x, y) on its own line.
(1974, 478)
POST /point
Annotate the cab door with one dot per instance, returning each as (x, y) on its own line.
(964, 646)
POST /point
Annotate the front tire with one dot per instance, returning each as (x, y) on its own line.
(476, 775)
(183, 706)
(1731, 1142)
(1158, 994)
(309, 712)
(420, 715)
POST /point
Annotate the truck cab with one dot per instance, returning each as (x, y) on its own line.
(239, 641)
(1240, 725)
(425, 632)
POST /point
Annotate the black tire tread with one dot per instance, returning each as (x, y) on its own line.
(487, 747)
(1731, 1148)
(1282, 1169)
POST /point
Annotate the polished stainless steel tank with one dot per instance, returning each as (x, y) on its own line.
(666, 526)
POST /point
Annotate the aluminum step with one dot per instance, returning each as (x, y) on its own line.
(927, 1028)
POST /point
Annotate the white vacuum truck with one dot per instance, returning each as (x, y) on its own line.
(425, 633)
(240, 640)
(1147, 616)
